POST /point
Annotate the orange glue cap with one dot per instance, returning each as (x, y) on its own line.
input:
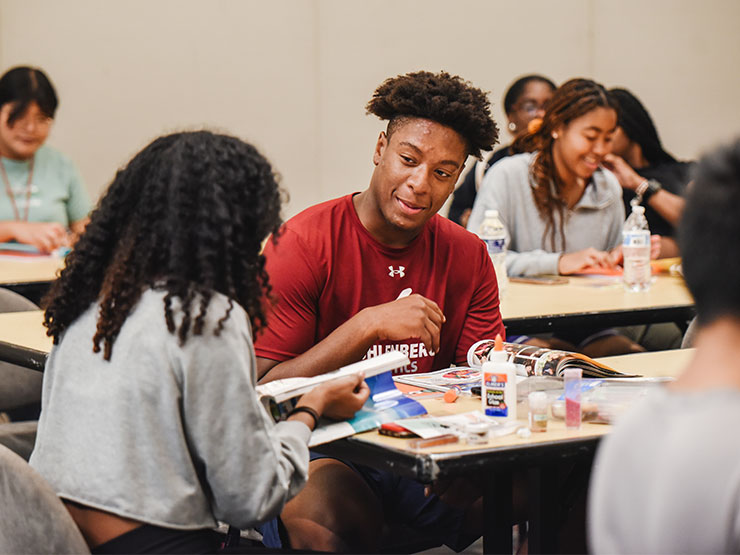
(450, 395)
(499, 343)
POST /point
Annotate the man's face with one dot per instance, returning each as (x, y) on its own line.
(415, 171)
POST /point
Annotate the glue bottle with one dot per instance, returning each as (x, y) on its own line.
(498, 384)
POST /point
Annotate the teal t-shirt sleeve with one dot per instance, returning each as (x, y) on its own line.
(78, 205)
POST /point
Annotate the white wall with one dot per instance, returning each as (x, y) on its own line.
(293, 76)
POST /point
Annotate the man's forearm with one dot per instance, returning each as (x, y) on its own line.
(668, 205)
(345, 345)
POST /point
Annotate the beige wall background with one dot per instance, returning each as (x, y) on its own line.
(293, 76)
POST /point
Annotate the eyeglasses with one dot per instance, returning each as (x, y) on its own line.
(39, 120)
(531, 108)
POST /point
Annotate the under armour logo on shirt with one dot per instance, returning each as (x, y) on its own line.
(393, 272)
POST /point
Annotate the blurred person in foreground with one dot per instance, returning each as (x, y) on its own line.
(666, 480)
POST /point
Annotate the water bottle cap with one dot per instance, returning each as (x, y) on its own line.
(491, 213)
(638, 208)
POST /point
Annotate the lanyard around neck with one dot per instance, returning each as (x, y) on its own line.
(11, 196)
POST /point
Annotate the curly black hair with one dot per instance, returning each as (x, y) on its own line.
(188, 215)
(441, 97)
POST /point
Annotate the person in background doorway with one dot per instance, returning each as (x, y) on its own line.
(525, 100)
(43, 202)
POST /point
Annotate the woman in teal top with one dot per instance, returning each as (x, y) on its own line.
(43, 202)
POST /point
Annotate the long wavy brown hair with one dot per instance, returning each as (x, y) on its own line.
(571, 100)
(187, 215)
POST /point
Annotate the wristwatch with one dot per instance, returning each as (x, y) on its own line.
(653, 187)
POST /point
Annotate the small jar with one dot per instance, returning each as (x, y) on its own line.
(476, 433)
(538, 411)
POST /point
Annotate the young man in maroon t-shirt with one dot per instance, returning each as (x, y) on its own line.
(380, 270)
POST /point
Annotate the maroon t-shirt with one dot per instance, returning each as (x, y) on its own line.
(326, 267)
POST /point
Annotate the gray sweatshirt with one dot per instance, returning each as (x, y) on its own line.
(595, 221)
(166, 434)
(667, 479)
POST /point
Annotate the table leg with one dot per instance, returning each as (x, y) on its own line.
(497, 511)
(542, 534)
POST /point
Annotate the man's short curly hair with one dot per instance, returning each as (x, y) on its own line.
(440, 97)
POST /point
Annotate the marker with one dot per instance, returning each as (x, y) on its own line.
(405, 293)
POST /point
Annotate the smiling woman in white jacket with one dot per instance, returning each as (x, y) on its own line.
(562, 212)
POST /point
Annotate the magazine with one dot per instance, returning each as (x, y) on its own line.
(530, 361)
(539, 361)
(385, 403)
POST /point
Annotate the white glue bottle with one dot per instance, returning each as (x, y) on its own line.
(498, 384)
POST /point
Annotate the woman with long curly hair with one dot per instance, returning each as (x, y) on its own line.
(562, 210)
(151, 430)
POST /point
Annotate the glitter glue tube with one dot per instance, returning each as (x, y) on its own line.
(572, 382)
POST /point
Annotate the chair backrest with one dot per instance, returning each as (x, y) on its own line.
(32, 518)
(19, 437)
(10, 301)
(690, 335)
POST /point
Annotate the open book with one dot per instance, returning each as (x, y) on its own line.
(385, 403)
(530, 361)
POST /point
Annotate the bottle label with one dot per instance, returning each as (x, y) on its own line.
(639, 238)
(494, 394)
(495, 246)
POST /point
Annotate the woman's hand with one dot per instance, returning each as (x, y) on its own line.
(338, 399)
(44, 236)
(573, 262)
(628, 178)
(656, 245)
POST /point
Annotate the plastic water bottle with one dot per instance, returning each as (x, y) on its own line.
(636, 251)
(494, 236)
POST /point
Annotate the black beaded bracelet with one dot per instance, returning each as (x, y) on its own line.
(308, 410)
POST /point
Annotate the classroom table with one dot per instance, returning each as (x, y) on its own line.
(526, 308)
(593, 302)
(23, 340)
(29, 276)
(496, 461)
